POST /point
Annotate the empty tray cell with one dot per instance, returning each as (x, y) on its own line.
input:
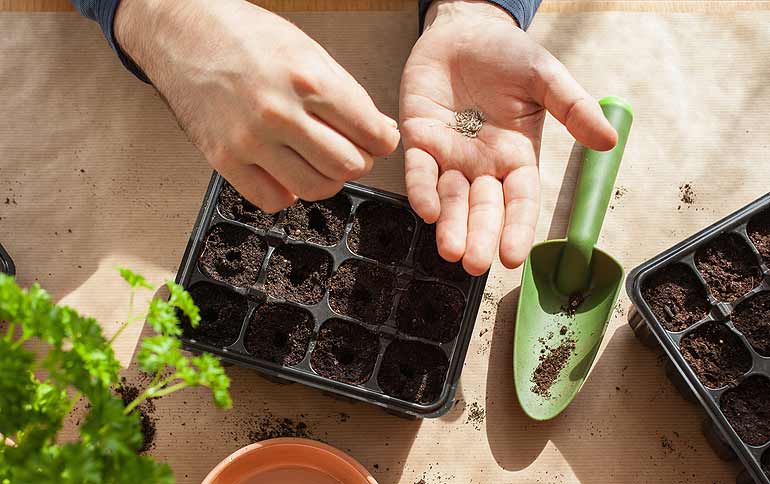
(430, 262)
(728, 266)
(715, 354)
(363, 291)
(759, 233)
(233, 255)
(382, 232)
(752, 318)
(676, 297)
(413, 371)
(319, 222)
(747, 408)
(279, 333)
(430, 310)
(233, 206)
(222, 313)
(345, 352)
(298, 273)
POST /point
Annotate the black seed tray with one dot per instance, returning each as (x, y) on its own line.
(451, 346)
(6, 263)
(659, 325)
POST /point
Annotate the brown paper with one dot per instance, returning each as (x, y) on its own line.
(94, 173)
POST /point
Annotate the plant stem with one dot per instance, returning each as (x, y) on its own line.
(11, 330)
(151, 392)
(171, 389)
(129, 318)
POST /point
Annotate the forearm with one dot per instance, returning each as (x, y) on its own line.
(522, 10)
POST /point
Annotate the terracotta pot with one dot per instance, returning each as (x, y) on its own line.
(289, 461)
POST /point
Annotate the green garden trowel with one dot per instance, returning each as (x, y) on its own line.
(569, 288)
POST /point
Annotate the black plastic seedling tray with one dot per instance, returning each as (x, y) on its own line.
(395, 346)
(6, 263)
(717, 349)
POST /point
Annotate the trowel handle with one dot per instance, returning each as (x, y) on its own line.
(592, 197)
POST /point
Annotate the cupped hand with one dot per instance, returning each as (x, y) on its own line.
(267, 106)
(483, 191)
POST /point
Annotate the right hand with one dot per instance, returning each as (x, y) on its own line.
(267, 106)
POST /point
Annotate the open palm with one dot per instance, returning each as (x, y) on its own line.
(484, 191)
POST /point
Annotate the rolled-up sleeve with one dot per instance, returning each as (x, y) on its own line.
(522, 10)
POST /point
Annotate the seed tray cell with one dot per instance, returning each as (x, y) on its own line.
(331, 294)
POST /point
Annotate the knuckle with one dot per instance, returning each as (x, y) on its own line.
(321, 191)
(307, 79)
(220, 157)
(273, 112)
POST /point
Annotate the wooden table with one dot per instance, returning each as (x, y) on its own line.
(97, 174)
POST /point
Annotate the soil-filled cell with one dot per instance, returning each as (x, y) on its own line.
(345, 352)
(233, 206)
(222, 313)
(759, 233)
(752, 318)
(728, 266)
(363, 291)
(382, 232)
(298, 273)
(413, 371)
(716, 354)
(232, 254)
(747, 408)
(320, 222)
(430, 261)
(279, 333)
(676, 297)
(430, 310)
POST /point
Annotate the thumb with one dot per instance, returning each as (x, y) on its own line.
(567, 101)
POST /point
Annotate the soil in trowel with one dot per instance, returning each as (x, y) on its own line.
(552, 362)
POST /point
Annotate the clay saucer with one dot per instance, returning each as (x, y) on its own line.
(289, 461)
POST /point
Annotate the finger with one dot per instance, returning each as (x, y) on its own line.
(347, 107)
(485, 218)
(521, 190)
(297, 175)
(330, 153)
(421, 172)
(568, 102)
(452, 226)
(258, 187)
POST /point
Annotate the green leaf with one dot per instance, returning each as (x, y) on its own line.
(159, 351)
(133, 279)
(182, 300)
(163, 319)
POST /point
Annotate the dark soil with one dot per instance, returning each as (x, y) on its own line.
(431, 263)
(752, 318)
(573, 303)
(476, 415)
(552, 362)
(747, 408)
(716, 355)
(233, 255)
(222, 313)
(270, 427)
(686, 194)
(233, 206)
(759, 233)
(345, 352)
(413, 371)
(279, 333)
(728, 266)
(430, 310)
(298, 273)
(145, 410)
(362, 291)
(320, 222)
(382, 232)
(676, 297)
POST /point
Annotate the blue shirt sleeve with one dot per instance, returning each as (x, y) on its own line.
(522, 10)
(103, 12)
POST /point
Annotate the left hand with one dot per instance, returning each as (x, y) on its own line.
(484, 191)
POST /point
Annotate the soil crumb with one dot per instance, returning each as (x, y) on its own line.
(476, 415)
(686, 194)
(469, 122)
(574, 302)
(128, 393)
(619, 192)
(270, 427)
(552, 362)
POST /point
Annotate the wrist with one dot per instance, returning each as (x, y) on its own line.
(441, 10)
(134, 27)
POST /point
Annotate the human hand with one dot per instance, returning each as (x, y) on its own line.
(266, 105)
(484, 191)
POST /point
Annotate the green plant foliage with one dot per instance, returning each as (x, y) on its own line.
(81, 362)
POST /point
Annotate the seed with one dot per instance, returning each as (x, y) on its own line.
(468, 122)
